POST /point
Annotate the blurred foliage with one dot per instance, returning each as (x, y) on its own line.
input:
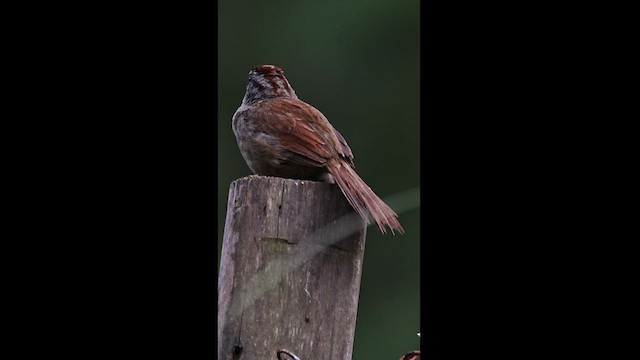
(357, 62)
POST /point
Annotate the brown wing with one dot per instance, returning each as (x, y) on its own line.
(302, 130)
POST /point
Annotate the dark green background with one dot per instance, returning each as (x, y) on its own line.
(358, 63)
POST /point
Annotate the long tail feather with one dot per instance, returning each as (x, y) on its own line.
(365, 202)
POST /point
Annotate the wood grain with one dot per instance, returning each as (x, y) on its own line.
(290, 270)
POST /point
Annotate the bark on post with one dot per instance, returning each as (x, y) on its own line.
(290, 271)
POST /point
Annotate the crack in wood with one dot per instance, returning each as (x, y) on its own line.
(279, 240)
(237, 350)
(280, 210)
(339, 249)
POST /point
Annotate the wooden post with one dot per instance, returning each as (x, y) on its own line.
(289, 272)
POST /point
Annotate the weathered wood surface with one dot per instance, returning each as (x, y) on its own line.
(290, 271)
